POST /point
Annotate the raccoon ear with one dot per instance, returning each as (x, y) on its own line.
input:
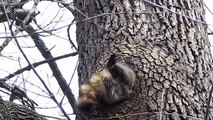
(112, 60)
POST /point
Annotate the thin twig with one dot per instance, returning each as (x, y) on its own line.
(208, 104)
(69, 37)
(35, 65)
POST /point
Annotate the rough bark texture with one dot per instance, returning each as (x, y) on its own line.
(170, 54)
(12, 111)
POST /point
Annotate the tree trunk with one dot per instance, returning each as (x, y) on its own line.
(13, 111)
(169, 52)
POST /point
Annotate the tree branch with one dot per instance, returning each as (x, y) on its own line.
(27, 68)
(53, 66)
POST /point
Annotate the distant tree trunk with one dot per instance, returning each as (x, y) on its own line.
(170, 54)
(13, 111)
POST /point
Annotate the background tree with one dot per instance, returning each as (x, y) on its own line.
(166, 44)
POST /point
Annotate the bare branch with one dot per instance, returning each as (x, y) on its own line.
(39, 77)
(52, 64)
(68, 33)
(27, 68)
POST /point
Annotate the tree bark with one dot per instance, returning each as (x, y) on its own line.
(13, 111)
(169, 52)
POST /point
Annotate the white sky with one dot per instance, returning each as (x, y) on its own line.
(59, 47)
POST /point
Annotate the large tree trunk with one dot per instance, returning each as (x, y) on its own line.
(170, 54)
